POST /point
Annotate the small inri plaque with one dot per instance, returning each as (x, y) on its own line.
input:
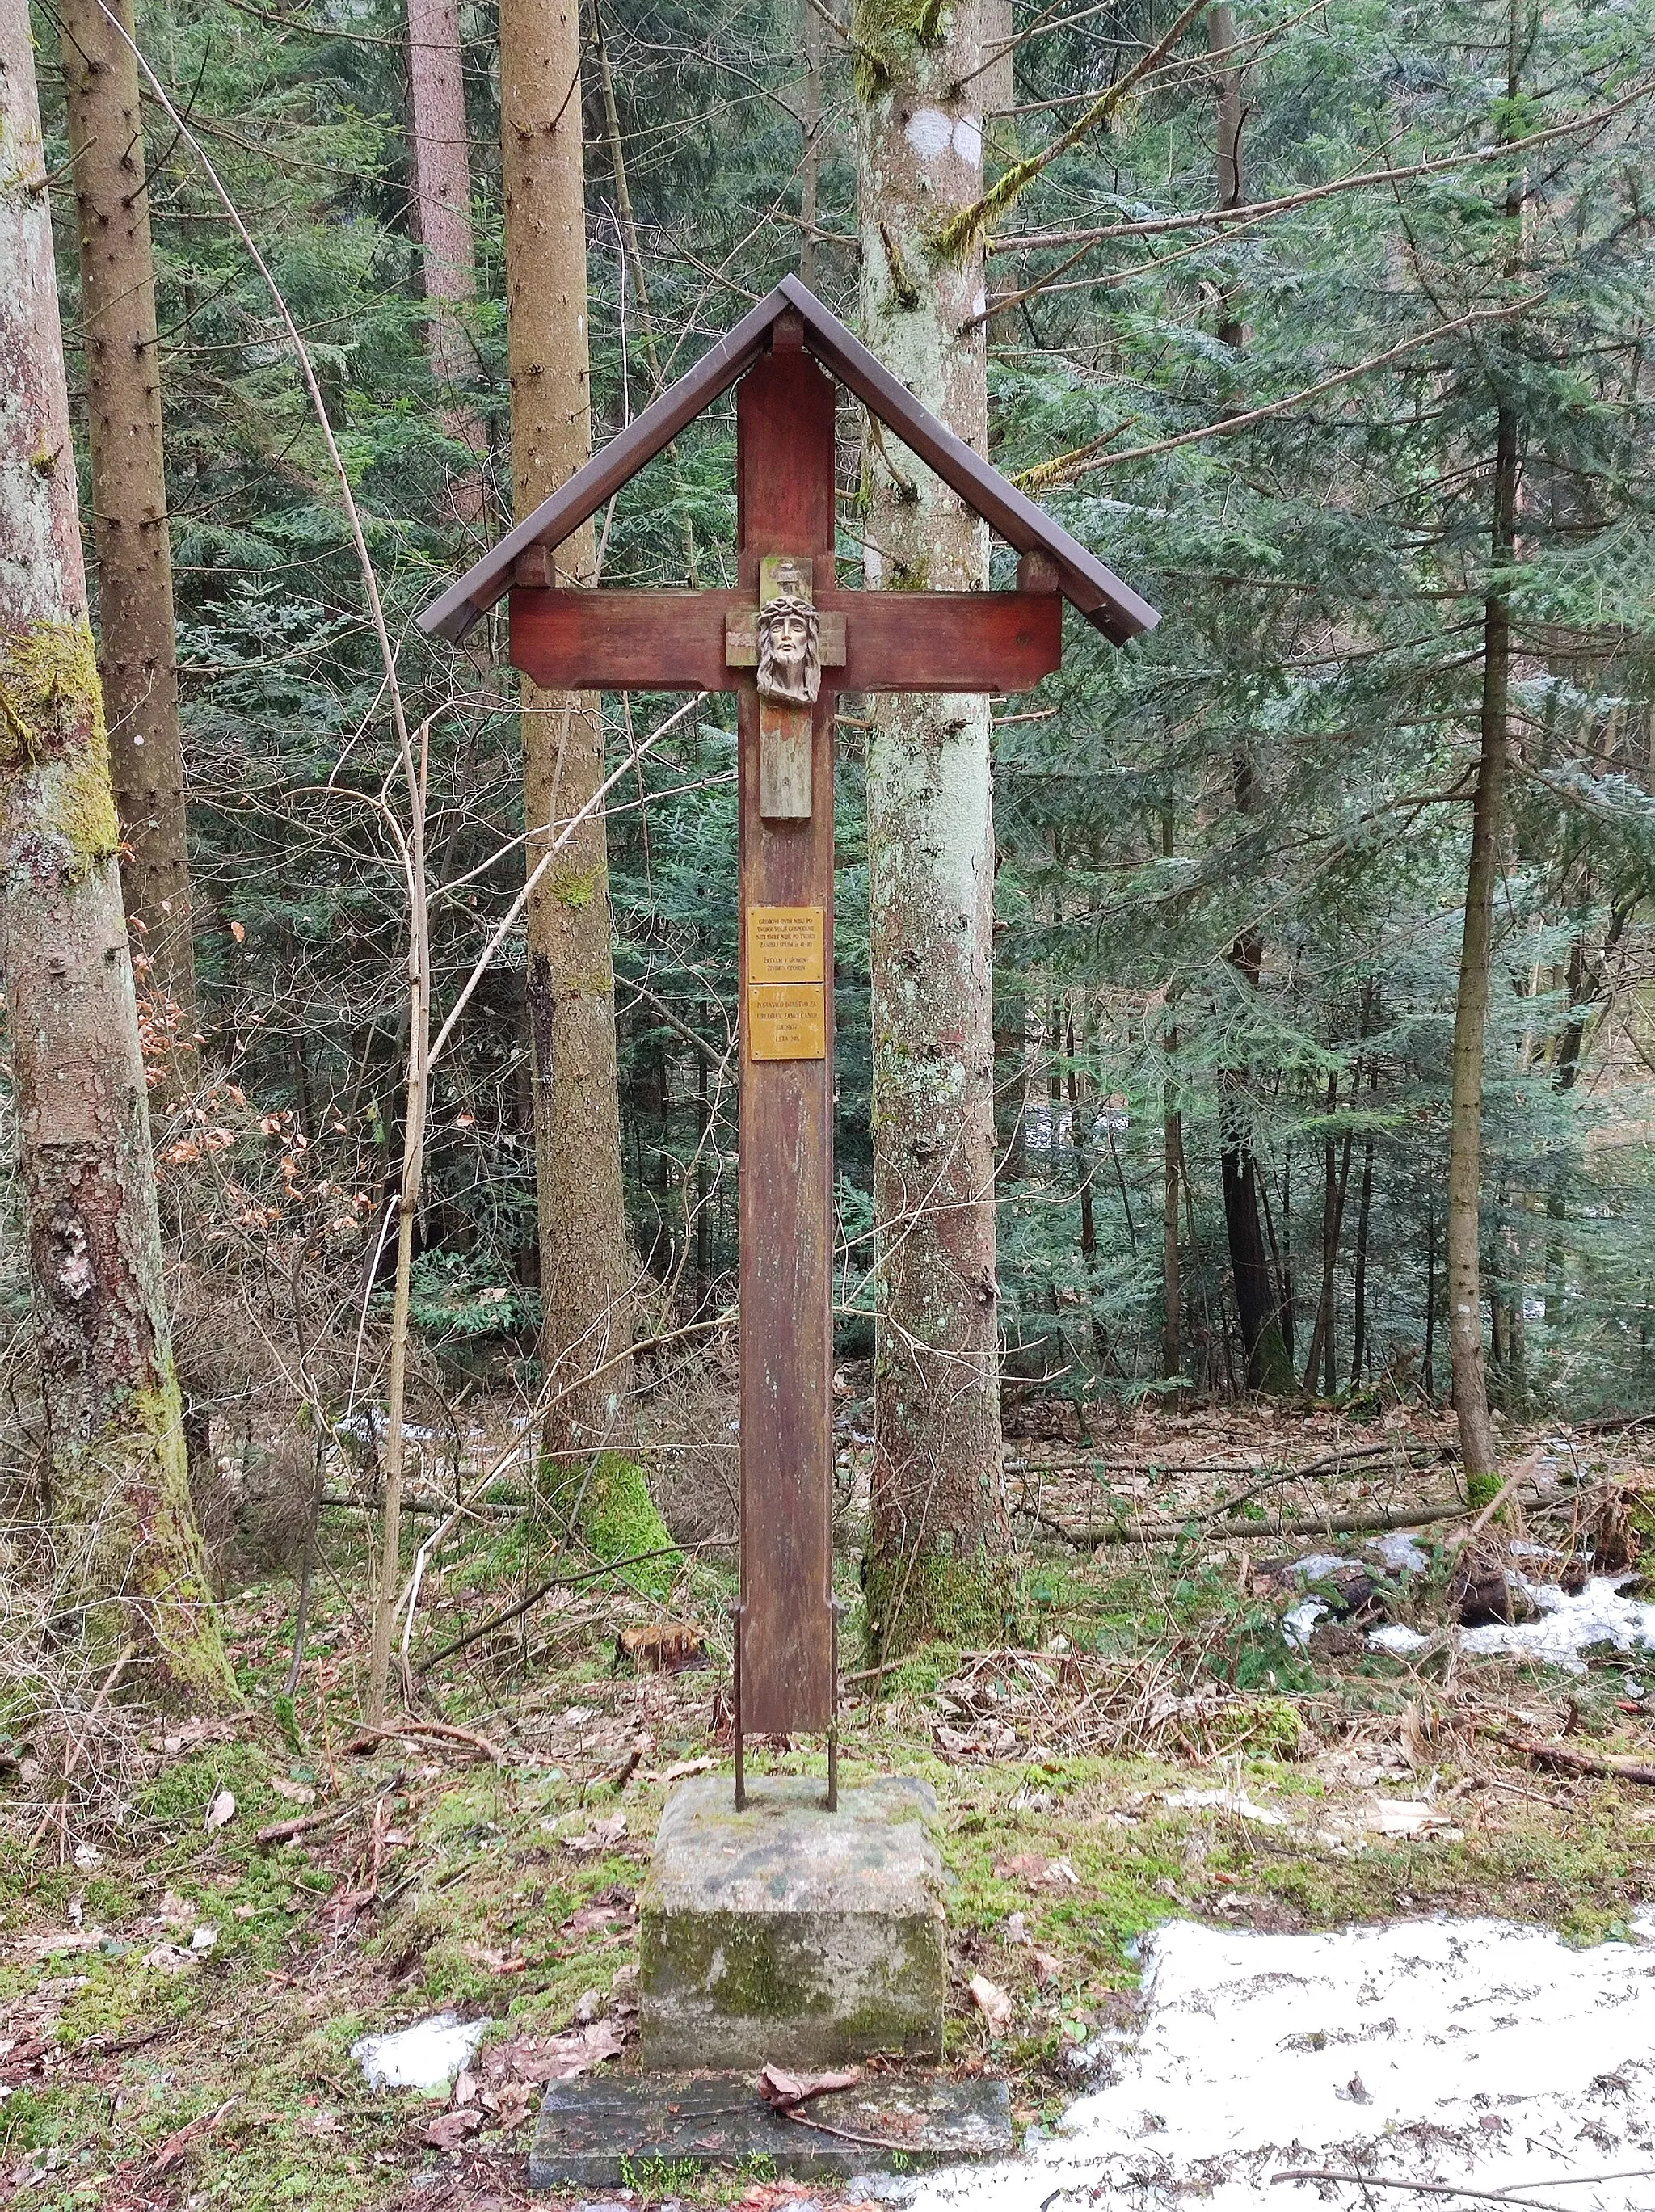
(785, 944)
(786, 1021)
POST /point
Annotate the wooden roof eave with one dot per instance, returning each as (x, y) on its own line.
(1096, 592)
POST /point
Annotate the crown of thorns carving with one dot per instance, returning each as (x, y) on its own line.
(790, 642)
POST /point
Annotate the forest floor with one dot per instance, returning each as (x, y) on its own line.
(214, 1911)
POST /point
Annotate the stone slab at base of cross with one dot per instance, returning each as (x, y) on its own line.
(604, 2129)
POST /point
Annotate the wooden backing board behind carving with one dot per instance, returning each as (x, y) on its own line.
(785, 416)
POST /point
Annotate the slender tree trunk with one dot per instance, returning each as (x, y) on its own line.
(1226, 78)
(1465, 1348)
(1335, 1186)
(584, 1266)
(1257, 1305)
(810, 157)
(1364, 1216)
(1171, 1155)
(1430, 1296)
(1083, 1164)
(138, 656)
(118, 1475)
(442, 221)
(1585, 986)
(936, 1560)
(1331, 1195)
(703, 1172)
(442, 183)
(1010, 1076)
(1257, 1310)
(632, 256)
(1172, 1149)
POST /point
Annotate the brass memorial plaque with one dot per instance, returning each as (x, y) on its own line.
(785, 944)
(786, 1021)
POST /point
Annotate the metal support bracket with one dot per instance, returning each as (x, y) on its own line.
(737, 1616)
(834, 1609)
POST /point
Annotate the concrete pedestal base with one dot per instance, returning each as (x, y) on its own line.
(789, 1933)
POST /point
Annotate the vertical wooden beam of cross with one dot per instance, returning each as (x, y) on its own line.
(779, 356)
(784, 507)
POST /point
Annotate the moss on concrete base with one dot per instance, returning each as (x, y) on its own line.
(785, 1932)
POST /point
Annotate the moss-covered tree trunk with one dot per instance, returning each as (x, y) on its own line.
(138, 657)
(129, 1553)
(584, 1264)
(935, 1561)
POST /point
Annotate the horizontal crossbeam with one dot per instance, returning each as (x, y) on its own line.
(599, 640)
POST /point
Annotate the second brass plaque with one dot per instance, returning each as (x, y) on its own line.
(786, 1021)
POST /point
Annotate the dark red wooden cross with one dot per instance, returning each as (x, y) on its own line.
(598, 640)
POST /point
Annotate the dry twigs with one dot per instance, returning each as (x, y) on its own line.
(1075, 1703)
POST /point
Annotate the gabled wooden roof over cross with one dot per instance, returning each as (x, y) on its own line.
(787, 641)
(1108, 605)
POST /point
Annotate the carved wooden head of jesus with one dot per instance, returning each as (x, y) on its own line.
(790, 650)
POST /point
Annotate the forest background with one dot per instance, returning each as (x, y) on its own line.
(1326, 326)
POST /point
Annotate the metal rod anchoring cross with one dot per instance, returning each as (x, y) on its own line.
(736, 1614)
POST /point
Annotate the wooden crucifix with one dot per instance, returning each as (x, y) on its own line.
(788, 641)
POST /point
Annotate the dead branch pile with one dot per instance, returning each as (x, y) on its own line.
(1004, 1705)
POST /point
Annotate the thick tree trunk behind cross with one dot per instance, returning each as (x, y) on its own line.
(585, 1271)
(129, 1554)
(137, 660)
(938, 1542)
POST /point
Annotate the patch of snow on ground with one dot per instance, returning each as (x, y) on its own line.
(1300, 1619)
(1319, 1566)
(1468, 2052)
(1231, 1801)
(1597, 1614)
(1400, 1551)
(427, 2055)
(1397, 1638)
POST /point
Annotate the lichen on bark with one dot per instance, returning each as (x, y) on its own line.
(936, 1553)
(129, 1567)
(51, 729)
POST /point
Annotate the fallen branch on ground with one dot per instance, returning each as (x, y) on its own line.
(1366, 2181)
(367, 1733)
(844, 2135)
(1566, 1760)
(1373, 1522)
(567, 1581)
(283, 1832)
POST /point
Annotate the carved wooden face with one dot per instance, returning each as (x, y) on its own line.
(790, 652)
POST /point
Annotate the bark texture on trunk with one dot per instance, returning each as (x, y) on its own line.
(1269, 1363)
(118, 1471)
(584, 1267)
(137, 658)
(442, 183)
(1259, 1307)
(442, 226)
(938, 1542)
(1465, 1347)
(810, 155)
